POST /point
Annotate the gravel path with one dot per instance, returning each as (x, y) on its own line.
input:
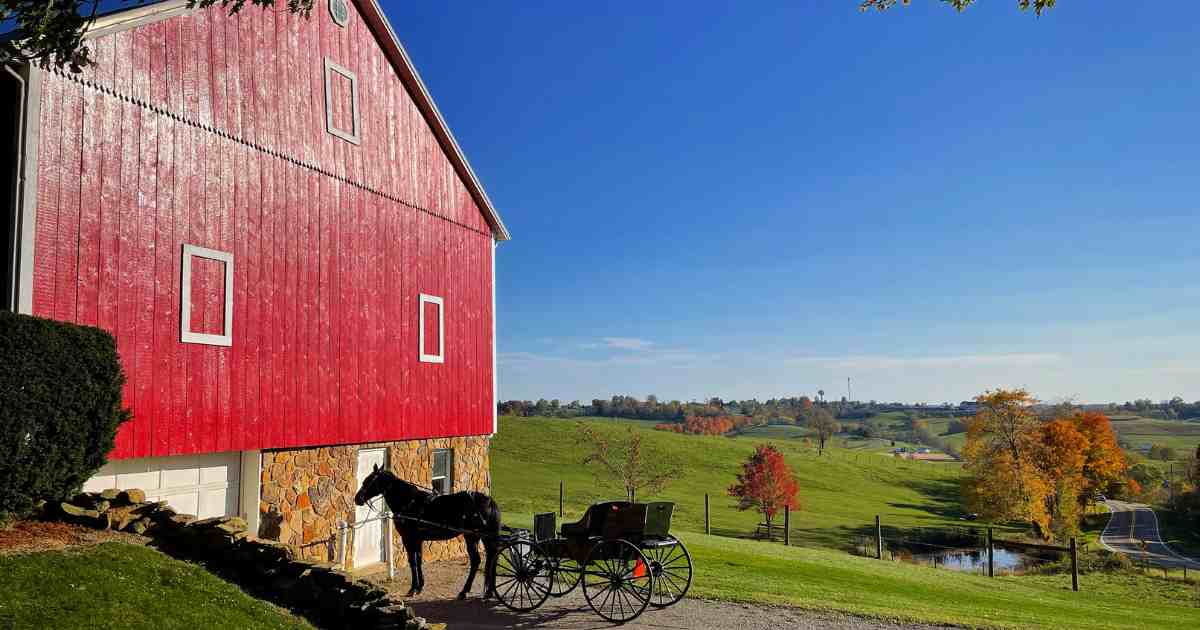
(443, 579)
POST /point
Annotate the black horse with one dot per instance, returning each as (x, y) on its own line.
(472, 515)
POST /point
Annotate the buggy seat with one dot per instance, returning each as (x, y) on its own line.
(592, 523)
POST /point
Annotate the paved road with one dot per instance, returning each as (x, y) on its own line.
(443, 579)
(1133, 524)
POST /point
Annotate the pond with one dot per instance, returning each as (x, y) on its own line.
(975, 560)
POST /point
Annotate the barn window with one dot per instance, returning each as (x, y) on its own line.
(341, 102)
(442, 477)
(432, 341)
(206, 297)
(339, 11)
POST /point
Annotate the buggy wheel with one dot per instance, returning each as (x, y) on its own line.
(522, 575)
(617, 581)
(671, 565)
(564, 577)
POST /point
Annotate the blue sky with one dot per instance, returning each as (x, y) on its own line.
(759, 200)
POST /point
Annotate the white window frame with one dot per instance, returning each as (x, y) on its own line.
(449, 476)
(440, 357)
(352, 135)
(185, 297)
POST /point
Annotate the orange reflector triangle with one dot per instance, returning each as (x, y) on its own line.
(639, 569)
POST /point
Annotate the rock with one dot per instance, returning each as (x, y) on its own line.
(110, 494)
(133, 495)
(139, 526)
(226, 523)
(80, 516)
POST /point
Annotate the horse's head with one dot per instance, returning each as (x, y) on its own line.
(399, 493)
(374, 485)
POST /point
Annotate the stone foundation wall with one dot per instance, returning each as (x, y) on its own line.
(306, 491)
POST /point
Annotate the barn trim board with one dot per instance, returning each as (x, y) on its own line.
(202, 133)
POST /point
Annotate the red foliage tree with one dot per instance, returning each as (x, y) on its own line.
(766, 484)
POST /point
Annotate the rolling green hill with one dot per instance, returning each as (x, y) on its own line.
(841, 492)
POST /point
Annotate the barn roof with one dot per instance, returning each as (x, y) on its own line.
(137, 15)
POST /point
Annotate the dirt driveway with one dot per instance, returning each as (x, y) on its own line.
(444, 579)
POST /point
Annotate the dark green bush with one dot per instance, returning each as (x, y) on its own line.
(60, 406)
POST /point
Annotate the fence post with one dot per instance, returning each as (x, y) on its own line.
(787, 526)
(991, 556)
(560, 498)
(391, 551)
(878, 539)
(706, 527)
(1074, 566)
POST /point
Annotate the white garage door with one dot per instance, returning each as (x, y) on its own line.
(204, 485)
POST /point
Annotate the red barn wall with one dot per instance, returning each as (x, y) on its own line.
(209, 130)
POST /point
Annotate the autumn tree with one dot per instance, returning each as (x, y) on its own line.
(1038, 6)
(638, 467)
(766, 484)
(53, 30)
(1041, 471)
(999, 455)
(823, 424)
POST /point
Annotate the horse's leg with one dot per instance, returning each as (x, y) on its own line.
(490, 548)
(473, 554)
(414, 582)
(420, 568)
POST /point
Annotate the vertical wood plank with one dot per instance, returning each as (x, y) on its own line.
(66, 282)
(49, 178)
(254, 426)
(183, 158)
(87, 311)
(166, 293)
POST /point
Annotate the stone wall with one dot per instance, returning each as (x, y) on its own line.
(306, 491)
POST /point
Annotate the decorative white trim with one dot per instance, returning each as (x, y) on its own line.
(440, 357)
(185, 297)
(250, 489)
(352, 135)
(495, 374)
(25, 229)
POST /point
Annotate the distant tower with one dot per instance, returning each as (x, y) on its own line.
(848, 396)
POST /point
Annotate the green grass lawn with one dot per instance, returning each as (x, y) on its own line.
(827, 580)
(116, 585)
(841, 492)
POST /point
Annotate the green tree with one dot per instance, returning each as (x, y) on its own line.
(628, 460)
(823, 424)
(1037, 5)
(53, 30)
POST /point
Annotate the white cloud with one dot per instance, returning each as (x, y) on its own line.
(869, 362)
(627, 343)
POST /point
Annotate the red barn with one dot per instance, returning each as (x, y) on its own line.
(296, 259)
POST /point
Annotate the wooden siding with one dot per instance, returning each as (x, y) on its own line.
(210, 130)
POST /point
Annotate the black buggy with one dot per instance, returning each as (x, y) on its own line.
(622, 553)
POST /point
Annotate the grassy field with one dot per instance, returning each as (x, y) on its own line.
(822, 579)
(1179, 435)
(116, 585)
(841, 492)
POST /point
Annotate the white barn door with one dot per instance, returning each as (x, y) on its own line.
(369, 543)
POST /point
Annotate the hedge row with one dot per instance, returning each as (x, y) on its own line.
(60, 406)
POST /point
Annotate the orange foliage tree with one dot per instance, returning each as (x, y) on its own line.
(1043, 472)
(766, 484)
(707, 425)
